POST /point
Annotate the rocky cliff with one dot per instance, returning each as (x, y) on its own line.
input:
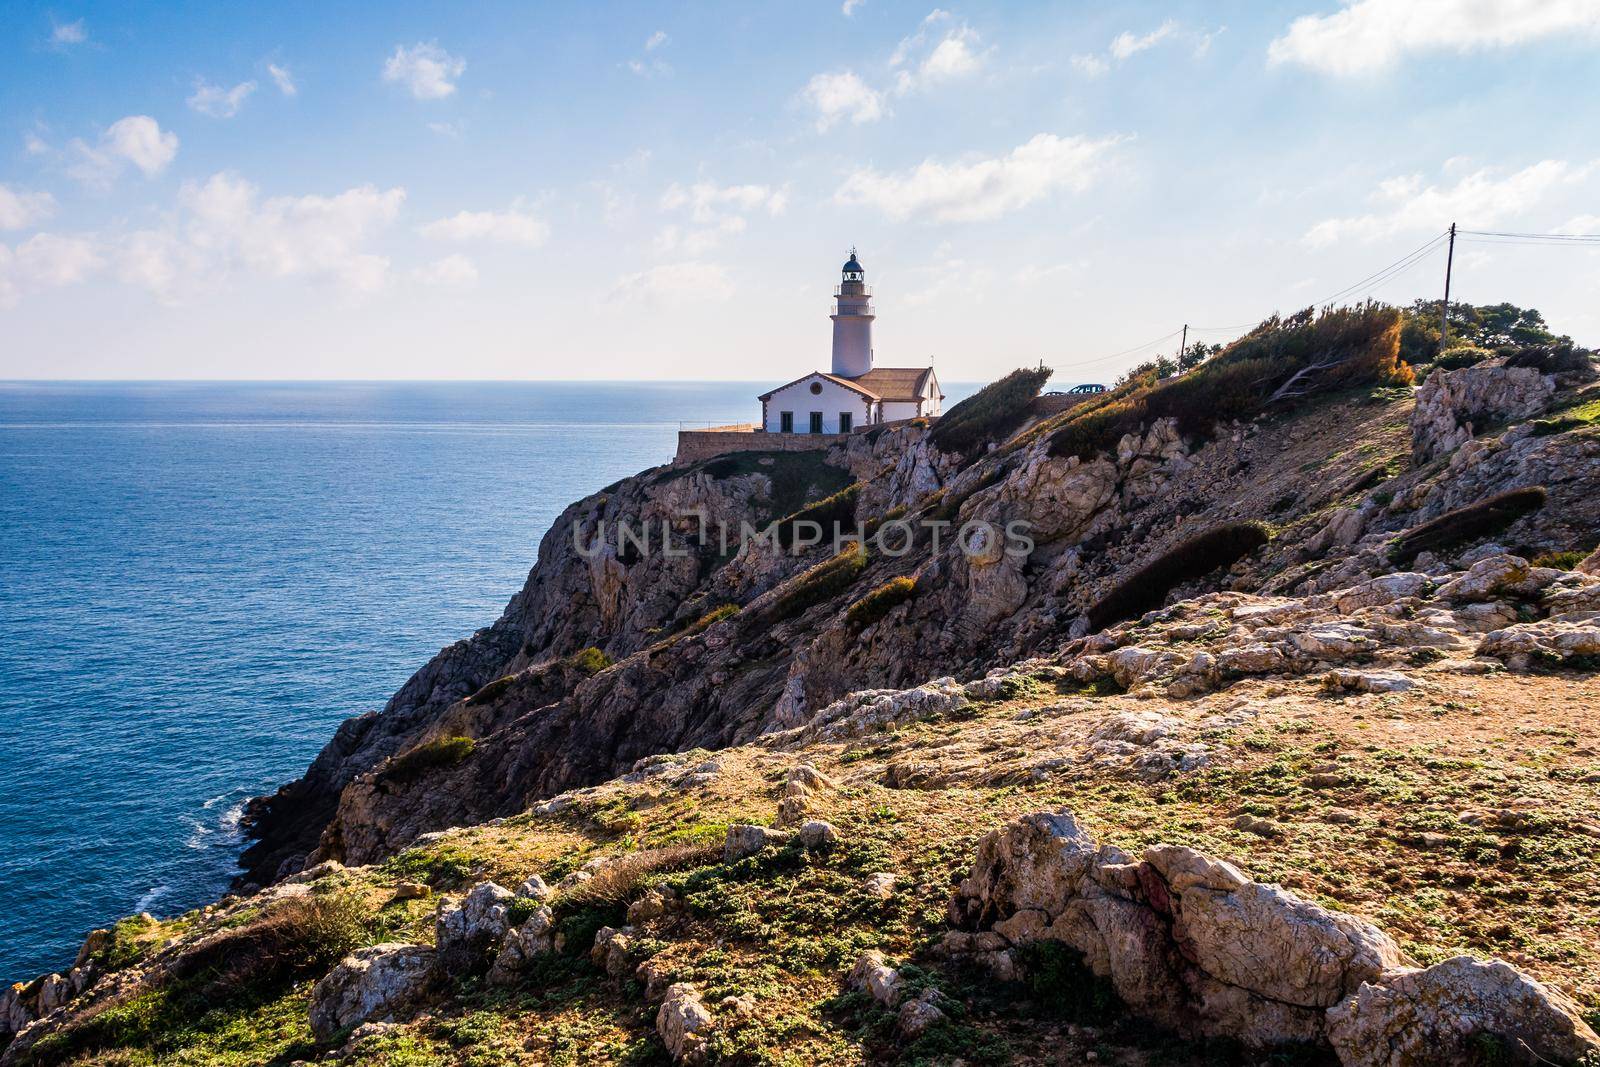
(987, 797)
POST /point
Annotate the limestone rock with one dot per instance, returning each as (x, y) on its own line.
(681, 1021)
(535, 888)
(745, 840)
(1452, 1011)
(1186, 940)
(873, 976)
(465, 934)
(1385, 589)
(1486, 578)
(534, 938)
(880, 885)
(374, 983)
(1345, 680)
(1571, 638)
(919, 1014)
(1453, 405)
(817, 834)
(613, 951)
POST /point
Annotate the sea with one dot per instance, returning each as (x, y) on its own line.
(199, 581)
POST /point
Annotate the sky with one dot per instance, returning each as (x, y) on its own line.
(584, 191)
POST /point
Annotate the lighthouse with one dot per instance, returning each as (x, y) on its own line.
(855, 394)
(852, 322)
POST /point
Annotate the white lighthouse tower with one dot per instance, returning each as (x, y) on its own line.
(855, 394)
(852, 322)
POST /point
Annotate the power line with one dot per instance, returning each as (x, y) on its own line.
(1536, 236)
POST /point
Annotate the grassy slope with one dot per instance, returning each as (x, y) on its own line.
(784, 927)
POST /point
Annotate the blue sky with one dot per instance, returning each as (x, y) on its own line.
(540, 191)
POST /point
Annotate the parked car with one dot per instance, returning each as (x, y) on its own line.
(1087, 388)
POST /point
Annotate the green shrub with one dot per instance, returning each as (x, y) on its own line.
(878, 603)
(1064, 987)
(711, 618)
(817, 584)
(430, 755)
(440, 867)
(990, 414)
(1471, 523)
(1465, 356)
(834, 515)
(1561, 561)
(1280, 361)
(1147, 587)
(1561, 357)
(588, 660)
(491, 692)
(618, 881)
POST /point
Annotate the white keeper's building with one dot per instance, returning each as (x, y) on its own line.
(855, 393)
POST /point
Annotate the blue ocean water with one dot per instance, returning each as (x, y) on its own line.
(199, 581)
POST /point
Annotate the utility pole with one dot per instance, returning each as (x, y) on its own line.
(1183, 344)
(1444, 312)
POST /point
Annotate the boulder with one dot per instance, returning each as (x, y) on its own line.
(1346, 680)
(873, 976)
(535, 888)
(374, 983)
(466, 934)
(1485, 578)
(613, 952)
(681, 1021)
(1462, 1010)
(745, 840)
(522, 946)
(1573, 640)
(1186, 940)
(919, 1014)
(817, 834)
(1454, 405)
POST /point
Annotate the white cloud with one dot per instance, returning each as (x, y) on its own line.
(843, 96)
(22, 210)
(714, 212)
(66, 34)
(427, 70)
(953, 56)
(984, 188)
(221, 227)
(286, 236)
(707, 201)
(848, 8)
(514, 226)
(1485, 197)
(1368, 36)
(656, 40)
(218, 102)
(49, 259)
(674, 284)
(1127, 44)
(43, 261)
(1091, 65)
(451, 272)
(283, 79)
(136, 139)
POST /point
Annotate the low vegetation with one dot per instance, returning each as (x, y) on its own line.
(828, 519)
(428, 756)
(1279, 362)
(1464, 525)
(878, 603)
(819, 583)
(1147, 587)
(993, 413)
(589, 660)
